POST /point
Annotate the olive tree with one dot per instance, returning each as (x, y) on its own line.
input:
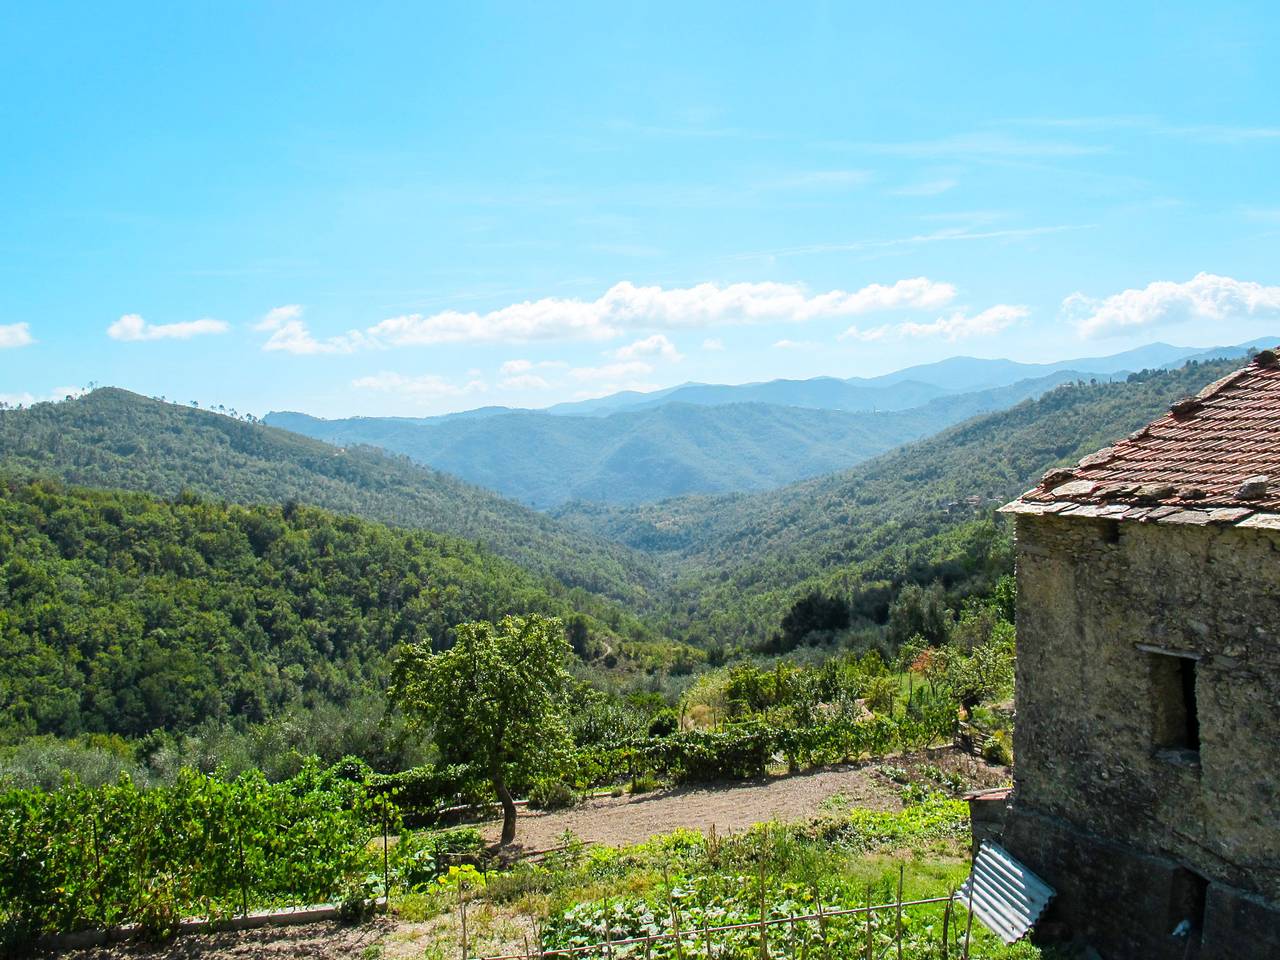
(495, 699)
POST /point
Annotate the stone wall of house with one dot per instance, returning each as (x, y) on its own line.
(1094, 710)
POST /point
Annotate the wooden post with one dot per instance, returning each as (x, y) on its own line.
(946, 925)
(675, 914)
(764, 936)
(386, 860)
(868, 955)
(462, 915)
(97, 867)
(822, 927)
(968, 926)
(902, 869)
(244, 886)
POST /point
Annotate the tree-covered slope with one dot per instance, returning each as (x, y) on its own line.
(113, 438)
(919, 513)
(126, 613)
(668, 450)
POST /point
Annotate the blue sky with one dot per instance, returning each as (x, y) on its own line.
(382, 208)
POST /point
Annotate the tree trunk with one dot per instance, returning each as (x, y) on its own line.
(508, 808)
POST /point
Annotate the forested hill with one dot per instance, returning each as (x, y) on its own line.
(126, 613)
(546, 459)
(904, 517)
(114, 438)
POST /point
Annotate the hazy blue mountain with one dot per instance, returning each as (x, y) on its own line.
(665, 450)
(909, 387)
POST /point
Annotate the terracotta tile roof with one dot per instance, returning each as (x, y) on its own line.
(1214, 458)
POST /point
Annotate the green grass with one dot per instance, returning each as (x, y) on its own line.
(838, 860)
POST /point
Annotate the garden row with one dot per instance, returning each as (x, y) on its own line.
(81, 857)
(740, 751)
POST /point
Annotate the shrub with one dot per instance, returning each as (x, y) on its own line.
(552, 795)
(664, 723)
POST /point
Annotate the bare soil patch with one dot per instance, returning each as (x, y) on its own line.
(616, 821)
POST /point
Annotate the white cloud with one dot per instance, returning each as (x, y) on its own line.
(25, 398)
(956, 326)
(289, 333)
(625, 306)
(1205, 296)
(421, 388)
(15, 335)
(960, 325)
(276, 317)
(713, 344)
(869, 335)
(612, 371)
(657, 346)
(132, 328)
(793, 344)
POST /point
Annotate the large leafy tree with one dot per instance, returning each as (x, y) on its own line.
(495, 699)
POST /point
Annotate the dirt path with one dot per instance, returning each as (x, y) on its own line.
(729, 807)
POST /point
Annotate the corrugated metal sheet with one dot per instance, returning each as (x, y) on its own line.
(1007, 897)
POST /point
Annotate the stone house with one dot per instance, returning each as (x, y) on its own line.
(1147, 743)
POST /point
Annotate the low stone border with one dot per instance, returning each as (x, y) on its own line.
(282, 917)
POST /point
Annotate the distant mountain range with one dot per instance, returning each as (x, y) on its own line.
(633, 448)
(918, 514)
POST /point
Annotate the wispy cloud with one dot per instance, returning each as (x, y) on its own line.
(25, 399)
(713, 344)
(980, 146)
(626, 370)
(422, 388)
(277, 317)
(1205, 296)
(511, 367)
(946, 235)
(132, 328)
(925, 188)
(290, 334)
(525, 381)
(656, 346)
(626, 306)
(819, 179)
(1209, 133)
(958, 325)
(15, 335)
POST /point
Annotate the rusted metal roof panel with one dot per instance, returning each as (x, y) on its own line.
(1007, 897)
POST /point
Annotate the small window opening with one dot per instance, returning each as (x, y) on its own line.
(1110, 531)
(1186, 914)
(1177, 719)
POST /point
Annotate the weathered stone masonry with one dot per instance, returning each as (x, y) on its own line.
(1137, 827)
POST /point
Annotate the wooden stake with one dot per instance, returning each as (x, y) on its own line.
(675, 914)
(946, 925)
(868, 953)
(968, 927)
(822, 927)
(462, 911)
(902, 869)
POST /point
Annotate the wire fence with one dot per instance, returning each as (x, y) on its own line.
(709, 941)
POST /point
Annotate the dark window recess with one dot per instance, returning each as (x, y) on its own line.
(1186, 914)
(1110, 531)
(1177, 720)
